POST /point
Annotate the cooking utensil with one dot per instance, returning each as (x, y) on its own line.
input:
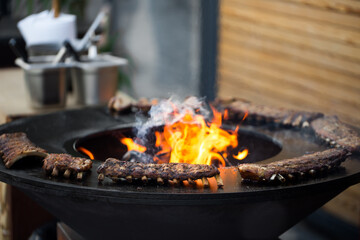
(45, 82)
(17, 50)
(66, 48)
(80, 45)
(71, 50)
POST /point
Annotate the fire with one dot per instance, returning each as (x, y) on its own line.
(87, 152)
(241, 155)
(192, 139)
(131, 145)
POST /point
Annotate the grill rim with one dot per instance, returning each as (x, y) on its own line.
(256, 193)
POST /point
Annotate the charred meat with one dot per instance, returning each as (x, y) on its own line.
(336, 133)
(120, 105)
(66, 165)
(239, 110)
(16, 146)
(145, 104)
(175, 172)
(294, 168)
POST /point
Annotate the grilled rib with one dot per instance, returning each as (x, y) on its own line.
(239, 109)
(336, 133)
(16, 146)
(66, 164)
(119, 104)
(116, 169)
(294, 168)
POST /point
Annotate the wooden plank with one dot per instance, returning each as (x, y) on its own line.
(301, 11)
(347, 100)
(283, 97)
(306, 71)
(245, 40)
(343, 6)
(299, 26)
(332, 90)
(258, 96)
(242, 87)
(307, 97)
(5, 212)
(278, 78)
(346, 205)
(349, 52)
(275, 65)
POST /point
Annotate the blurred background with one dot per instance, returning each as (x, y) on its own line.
(298, 54)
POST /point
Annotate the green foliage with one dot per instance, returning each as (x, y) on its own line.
(123, 79)
(76, 7)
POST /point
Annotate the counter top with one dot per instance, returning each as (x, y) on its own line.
(14, 99)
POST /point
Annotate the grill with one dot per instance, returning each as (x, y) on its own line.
(137, 211)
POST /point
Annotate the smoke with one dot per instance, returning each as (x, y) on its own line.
(170, 111)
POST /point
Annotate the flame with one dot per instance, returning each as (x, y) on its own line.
(188, 138)
(131, 145)
(226, 114)
(87, 152)
(193, 140)
(241, 155)
(245, 115)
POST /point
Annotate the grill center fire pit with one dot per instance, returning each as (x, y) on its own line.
(133, 211)
(108, 144)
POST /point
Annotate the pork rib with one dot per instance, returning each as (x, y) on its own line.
(336, 133)
(16, 146)
(66, 164)
(294, 168)
(239, 109)
(176, 172)
(118, 104)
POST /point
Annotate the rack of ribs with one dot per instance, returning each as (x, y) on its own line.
(336, 133)
(239, 109)
(16, 146)
(308, 165)
(173, 172)
(66, 164)
(121, 105)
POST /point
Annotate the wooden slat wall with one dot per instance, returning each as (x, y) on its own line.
(301, 54)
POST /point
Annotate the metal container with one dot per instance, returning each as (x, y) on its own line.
(45, 82)
(95, 81)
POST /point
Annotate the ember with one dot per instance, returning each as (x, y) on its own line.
(87, 152)
(187, 137)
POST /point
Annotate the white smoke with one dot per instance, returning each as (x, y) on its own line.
(162, 113)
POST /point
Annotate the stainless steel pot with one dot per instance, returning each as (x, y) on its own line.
(46, 82)
(95, 81)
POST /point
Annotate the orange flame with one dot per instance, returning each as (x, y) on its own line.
(245, 115)
(226, 114)
(131, 145)
(87, 152)
(241, 155)
(192, 139)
